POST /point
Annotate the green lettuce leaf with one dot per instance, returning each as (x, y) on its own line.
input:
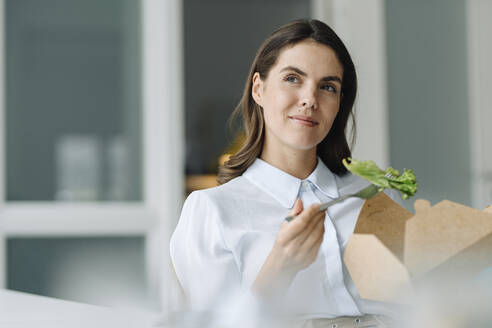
(406, 183)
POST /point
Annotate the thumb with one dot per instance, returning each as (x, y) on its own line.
(297, 208)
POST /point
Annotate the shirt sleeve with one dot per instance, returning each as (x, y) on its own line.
(204, 265)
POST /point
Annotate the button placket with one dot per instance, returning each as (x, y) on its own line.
(333, 258)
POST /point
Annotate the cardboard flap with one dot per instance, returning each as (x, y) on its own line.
(470, 261)
(436, 234)
(488, 209)
(384, 218)
(377, 273)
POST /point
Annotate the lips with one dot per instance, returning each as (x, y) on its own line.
(304, 120)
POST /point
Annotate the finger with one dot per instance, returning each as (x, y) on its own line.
(297, 208)
(318, 221)
(311, 225)
(315, 225)
(313, 241)
(315, 250)
(292, 229)
(301, 221)
(308, 251)
(316, 247)
(304, 234)
(309, 212)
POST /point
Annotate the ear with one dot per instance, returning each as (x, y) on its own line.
(257, 88)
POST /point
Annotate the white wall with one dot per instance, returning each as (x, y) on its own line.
(361, 25)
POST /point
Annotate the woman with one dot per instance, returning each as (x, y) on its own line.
(296, 103)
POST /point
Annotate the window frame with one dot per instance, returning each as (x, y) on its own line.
(154, 217)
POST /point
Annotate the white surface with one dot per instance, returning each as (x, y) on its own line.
(321, 9)
(23, 219)
(26, 310)
(163, 136)
(480, 81)
(361, 26)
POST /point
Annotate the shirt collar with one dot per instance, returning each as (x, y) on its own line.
(324, 180)
(285, 187)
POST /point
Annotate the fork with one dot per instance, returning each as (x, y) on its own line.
(366, 193)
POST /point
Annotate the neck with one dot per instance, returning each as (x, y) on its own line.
(299, 164)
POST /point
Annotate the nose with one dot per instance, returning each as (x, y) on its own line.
(307, 98)
(308, 103)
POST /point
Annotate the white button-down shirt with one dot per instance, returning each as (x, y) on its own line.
(225, 234)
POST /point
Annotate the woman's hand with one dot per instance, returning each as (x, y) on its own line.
(297, 243)
(296, 247)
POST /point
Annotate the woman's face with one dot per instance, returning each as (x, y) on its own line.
(300, 97)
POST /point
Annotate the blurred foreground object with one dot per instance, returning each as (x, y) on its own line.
(447, 240)
(28, 310)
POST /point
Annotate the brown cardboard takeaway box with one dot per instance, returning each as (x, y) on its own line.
(391, 250)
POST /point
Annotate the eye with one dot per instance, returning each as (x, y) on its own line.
(329, 87)
(292, 78)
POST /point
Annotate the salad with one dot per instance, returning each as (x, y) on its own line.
(390, 178)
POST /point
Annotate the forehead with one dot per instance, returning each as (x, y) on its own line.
(311, 57)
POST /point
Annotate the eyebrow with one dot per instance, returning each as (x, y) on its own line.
(300, 72)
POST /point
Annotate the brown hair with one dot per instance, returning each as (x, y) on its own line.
(335, 146)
